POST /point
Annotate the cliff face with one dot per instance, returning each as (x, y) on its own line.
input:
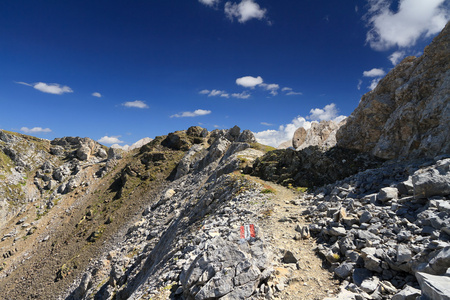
(408, 114)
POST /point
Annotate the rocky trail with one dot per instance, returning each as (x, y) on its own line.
(298, 270)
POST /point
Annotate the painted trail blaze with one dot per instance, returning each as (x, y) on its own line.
(248, 231)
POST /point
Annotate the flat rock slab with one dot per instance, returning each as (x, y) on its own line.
(434, 287)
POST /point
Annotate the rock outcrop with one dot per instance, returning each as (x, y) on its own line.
(76, 147)
(189, 242)
(408, 114)
(321, 134)
(311, 167)
(299, 137)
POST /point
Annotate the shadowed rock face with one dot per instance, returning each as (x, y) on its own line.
(299, 137)
(408, 114)
(311, 166)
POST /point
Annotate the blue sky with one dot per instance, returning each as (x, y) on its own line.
(118, 71)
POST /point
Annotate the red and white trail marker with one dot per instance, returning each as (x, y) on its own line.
(248, 231)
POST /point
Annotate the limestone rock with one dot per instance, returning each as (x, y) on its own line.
(197, 131)
(344, 270)
(299, 137)
(408, 293)
(246, 137)
(434, 287)
(233, 133)
(189, 159)
(102, 153)
(83, 153)
(434, 181)
(81, 148)
(57, 150)
(387, 193)
(408, 114)
(321, 134)
(177, 141)
(115, 153)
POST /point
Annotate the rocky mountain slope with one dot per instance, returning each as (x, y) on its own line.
(408, 113)
(69, 200)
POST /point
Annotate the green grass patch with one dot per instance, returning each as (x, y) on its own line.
(268, 189)
(261, 147)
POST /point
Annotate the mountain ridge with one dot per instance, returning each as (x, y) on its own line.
(172, 219)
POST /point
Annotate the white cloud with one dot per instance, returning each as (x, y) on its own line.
(136, 103)
(97, 94)
(272, 87)
(249, 81)
(196, 113)
(266, 124)
(50, 88)
(329, 112)
(359, 84)
(286, 132)
(124, 147)
(413, 20)
(243, 95)
(209, 2)
(294, 93)
(110, 140)
(215, 93)
(374, 73)
(290, 92)
(24, 83)
(35, 130)
(396, 57)
(374, 83)
(244, 11)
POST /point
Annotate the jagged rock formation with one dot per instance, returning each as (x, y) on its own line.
(34, 171)
(408, 114)
(18, 156)
(76, 147)
(321, 134)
